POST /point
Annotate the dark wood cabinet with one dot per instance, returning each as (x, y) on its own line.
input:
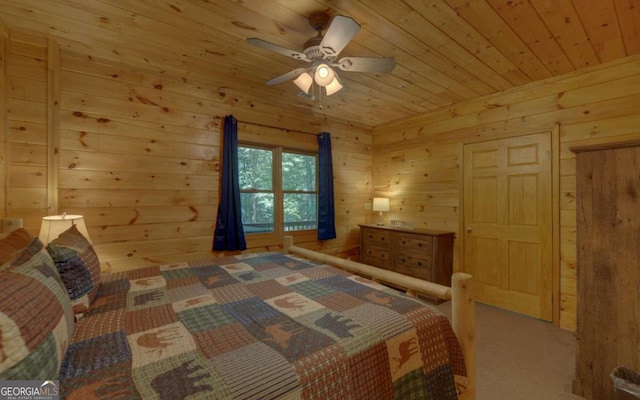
(608, 270)
(424, 254)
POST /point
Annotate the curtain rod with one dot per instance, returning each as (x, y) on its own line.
(279, 127)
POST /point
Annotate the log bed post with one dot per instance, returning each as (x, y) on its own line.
(463, 311)
(461, 293)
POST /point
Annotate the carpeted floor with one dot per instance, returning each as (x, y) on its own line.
(521, 358)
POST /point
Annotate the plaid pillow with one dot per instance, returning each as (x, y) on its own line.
(36, 321)
(78, 266)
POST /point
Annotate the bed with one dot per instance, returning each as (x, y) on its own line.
(253, 326)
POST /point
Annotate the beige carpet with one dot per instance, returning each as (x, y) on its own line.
(520, 358)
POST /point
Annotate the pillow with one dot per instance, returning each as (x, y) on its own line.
(36, 320)
(14, 241)
(78, 267)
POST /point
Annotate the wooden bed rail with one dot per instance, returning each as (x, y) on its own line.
(463, 320)
(461, 293)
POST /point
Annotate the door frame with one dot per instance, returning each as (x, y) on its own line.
(554, 135)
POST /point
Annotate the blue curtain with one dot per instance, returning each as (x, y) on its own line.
(229, 234)
(326, 213)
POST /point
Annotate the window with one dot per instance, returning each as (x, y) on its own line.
(278, 190)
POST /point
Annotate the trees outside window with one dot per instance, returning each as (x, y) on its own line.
(278, 189)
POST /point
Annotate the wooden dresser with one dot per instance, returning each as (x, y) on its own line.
(420, 253)
(608, 270)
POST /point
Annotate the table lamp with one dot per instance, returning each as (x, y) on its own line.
(380, 204)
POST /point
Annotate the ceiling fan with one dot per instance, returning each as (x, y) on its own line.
(321, 53)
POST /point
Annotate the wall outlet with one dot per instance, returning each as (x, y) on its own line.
(367, 206)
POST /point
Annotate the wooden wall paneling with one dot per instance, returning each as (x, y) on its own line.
(4, 31)
(74, 179)
(152, 252)
(135, 197)
(215, 96)
(135, 129)
(139, 151)
(105, 143)
(141, 162)
(27, 120)
(27, 89)
(133, 109)
(153, 232)
(556, 283)
(268, 135)
(97, 118)
(4, 126)
(53, 125)
(591, 106)
(107, 216)
(27, 66)
(84, 160)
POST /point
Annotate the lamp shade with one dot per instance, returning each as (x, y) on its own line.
(303, 82)
(334, 86)
(380, 204)
(324, 74)
(53, 225)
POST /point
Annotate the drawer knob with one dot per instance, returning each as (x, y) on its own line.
(468, 229)
(419, 244)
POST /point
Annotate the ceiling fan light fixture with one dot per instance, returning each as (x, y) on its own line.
(324, 75)
(334, 86)
(304, 82)
(321, 52)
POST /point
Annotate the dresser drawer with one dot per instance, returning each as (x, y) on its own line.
(415, 245)
(414, 266)
(377, 238)
(377, 256)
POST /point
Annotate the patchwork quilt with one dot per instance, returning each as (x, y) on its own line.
(259, 326)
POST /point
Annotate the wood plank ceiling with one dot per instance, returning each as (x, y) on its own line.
(447, 51)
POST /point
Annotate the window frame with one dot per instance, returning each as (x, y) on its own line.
(275, 237)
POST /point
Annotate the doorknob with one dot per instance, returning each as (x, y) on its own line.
(468, 229)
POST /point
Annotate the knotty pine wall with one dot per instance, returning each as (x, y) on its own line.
(137, 152)
(4, 34)
(417, 162)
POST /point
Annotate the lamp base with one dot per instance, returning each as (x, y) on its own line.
(380, 220)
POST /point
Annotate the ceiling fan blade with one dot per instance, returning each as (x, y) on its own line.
(367, 64)
(339, 34)
(278, 49)
(286, 77)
